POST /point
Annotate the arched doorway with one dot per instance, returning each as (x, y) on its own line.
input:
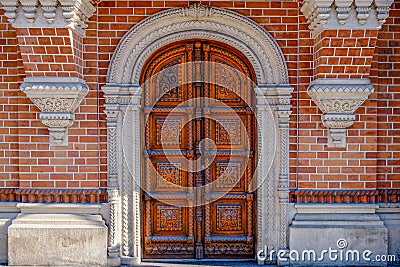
(182, 217)
(124, 109)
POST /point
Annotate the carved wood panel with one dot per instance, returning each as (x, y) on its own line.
(183, 217)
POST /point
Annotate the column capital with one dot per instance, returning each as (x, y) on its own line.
(49, 13)
(345, 14)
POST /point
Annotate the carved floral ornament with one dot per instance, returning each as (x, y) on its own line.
(49, 13)
(57, 98)
(345, 14)
(338, 99)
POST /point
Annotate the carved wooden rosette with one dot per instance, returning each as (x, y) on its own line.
(57, 98)
(338, 99)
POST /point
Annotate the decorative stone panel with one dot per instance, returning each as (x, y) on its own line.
(57, 98)
(338, 99)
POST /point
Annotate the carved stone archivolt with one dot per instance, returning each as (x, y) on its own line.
(123, 97)
(49, 13)
(345, 14)
(209, 23)
(338, 99)
(57, 98)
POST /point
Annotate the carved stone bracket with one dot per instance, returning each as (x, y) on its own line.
(345, 14)
(57, 98)
(49, 13)
(338, 99)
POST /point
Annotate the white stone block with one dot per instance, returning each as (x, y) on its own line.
(359, 230)
(57, 240)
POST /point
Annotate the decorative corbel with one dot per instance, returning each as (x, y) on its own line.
(350, 14)
(362, 8)
(75, 13)
(317, 12)
(382, 8)
(338, 99)
(57, 98)
(342, 8)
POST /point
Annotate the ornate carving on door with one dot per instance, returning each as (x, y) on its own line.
(182, 217)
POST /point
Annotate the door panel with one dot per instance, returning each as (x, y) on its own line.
(196, 198)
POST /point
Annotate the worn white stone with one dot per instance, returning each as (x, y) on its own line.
(8, 212)
(43, 235)
(321, 230)
(390, 215)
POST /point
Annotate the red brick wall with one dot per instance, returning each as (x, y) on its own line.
(28, 161)
(385, 74)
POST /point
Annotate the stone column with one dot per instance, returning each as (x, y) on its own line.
(112, 112)
(283, 114)
(273, 110)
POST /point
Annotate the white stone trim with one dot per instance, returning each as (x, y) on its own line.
(338, 99)
(49, 13)
(57, 98)
(58, 208)
(123, 108)
(345, 14)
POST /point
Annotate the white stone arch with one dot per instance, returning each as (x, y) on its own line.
(197, 21)
(123, 108)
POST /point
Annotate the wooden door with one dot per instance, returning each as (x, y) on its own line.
(196, 197)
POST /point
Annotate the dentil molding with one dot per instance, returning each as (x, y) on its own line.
(345, 14)
(338, 99)
(57, 98)
(49, 13)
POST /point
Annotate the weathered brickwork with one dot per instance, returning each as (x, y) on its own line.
(369, 160)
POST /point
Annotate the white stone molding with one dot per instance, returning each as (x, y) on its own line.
(57, 98)
(210, 23)
(49, 13)
(338, 99)
(345, 14)
(123, 96)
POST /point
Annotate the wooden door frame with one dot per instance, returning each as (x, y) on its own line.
(123, 108)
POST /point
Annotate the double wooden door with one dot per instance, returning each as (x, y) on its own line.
(199, 153)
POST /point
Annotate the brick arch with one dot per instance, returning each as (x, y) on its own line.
(197, 21)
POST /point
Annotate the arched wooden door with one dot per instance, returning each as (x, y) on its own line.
(181, 217)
